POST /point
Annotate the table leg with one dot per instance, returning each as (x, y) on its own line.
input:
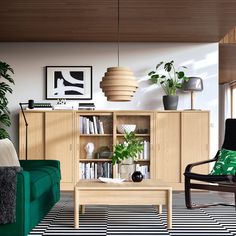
(169, 209)
(76, 208)
(159, 209)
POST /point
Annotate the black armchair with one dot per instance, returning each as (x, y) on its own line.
(222, 183)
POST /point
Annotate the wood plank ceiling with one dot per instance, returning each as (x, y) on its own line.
(96, 20)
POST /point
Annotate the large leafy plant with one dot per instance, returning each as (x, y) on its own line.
(5, 74)
(130, 148)
(171, 81)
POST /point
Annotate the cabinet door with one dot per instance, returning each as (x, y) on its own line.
(168, 139)
(36, 148)
(195, 140)
(59, 143)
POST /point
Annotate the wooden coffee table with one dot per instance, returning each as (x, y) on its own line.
(147, 192)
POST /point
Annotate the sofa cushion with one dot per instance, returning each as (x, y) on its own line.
(42, 179)
(8, 156)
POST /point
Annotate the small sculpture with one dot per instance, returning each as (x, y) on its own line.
(89, 148)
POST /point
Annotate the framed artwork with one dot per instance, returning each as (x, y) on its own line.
(69, 82)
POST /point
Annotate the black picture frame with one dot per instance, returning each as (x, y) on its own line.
(69, 82)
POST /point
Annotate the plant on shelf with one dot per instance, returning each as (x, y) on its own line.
(169, 82)
(5, 73)
(130, 148)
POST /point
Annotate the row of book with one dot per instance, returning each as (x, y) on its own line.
(94, 170)
(145, 154)
(144, 169)
(91, 125)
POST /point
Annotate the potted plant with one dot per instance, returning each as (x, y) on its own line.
(126, 152)
(170, 82)
(5, 73)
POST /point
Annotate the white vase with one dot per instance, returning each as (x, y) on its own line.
(126, 168)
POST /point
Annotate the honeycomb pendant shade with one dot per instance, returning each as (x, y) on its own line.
(119, 84)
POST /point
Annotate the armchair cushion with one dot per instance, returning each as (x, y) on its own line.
(226, 164)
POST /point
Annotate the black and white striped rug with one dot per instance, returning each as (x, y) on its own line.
(140, 220)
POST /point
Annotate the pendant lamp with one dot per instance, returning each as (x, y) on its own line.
(118, 83)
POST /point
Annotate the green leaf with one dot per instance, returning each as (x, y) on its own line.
(180, 74)
(5, 119)
(151, 73)
(4, 134)
(159, 64)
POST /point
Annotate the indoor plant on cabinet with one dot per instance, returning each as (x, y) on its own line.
(125, 153)
(170, 82)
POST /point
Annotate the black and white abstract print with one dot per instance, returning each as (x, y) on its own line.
(69, 82)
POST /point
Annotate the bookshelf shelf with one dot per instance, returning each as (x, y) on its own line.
(95, 135)
(95, 160)
(138, 135)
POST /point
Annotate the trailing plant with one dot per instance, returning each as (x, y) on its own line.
(5, 73)
(130, 148)
(171, 81)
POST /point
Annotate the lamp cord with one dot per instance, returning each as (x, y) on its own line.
(118, 33)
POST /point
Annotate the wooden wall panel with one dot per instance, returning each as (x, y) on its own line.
(227, 63)
(96, 21)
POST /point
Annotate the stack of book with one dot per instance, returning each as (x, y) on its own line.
(86, 106)
(94, 170)
(91, 125)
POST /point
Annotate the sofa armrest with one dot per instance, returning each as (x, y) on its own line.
(28, 164)
(22, 224)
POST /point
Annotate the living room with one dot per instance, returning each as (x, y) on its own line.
(40, 39)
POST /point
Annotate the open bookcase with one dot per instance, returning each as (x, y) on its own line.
(100, 128)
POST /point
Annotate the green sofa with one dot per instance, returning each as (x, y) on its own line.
(38, 189)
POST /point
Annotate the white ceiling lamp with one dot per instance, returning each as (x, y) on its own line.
(119, 84)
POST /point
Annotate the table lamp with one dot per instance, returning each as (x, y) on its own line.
(193, 84)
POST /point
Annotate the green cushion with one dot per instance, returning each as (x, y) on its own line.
(226, 164)
(42, 179)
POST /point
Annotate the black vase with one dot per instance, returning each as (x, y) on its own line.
(137, 176)
(170, 102)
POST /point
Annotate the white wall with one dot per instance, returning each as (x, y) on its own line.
(29, 59)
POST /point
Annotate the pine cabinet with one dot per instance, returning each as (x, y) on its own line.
(59, 139)
(181, 138)
(173, 138)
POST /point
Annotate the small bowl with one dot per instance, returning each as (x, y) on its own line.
(126, 128)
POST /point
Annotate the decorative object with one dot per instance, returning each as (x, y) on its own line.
(126, 152)
(5, 121)
(69, 82)
(118, 84)
(111, 180)
(137, 176)
(126, 128)
(104, 152)
(89, 148)
(193, 84)
(169, 83)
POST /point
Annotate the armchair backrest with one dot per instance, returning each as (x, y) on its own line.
(230, 135)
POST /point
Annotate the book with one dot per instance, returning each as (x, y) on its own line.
(95, 125)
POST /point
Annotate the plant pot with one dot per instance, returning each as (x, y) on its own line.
(170, 102)
(126, 169)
